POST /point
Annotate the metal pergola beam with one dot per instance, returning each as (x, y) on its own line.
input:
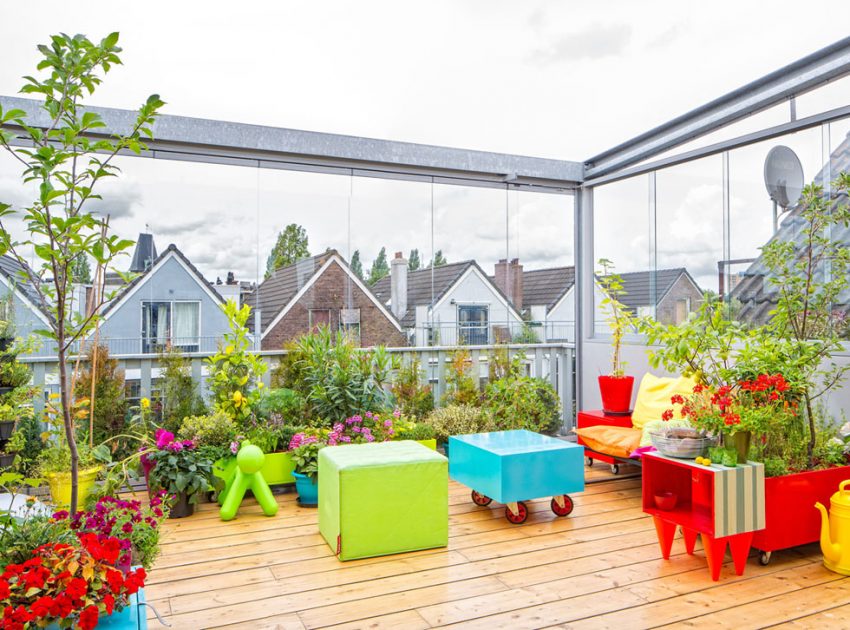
(203, 140)
(825, 65)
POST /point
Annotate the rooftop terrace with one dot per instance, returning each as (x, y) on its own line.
(601, 567)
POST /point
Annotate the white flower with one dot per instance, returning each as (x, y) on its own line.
(844, 431)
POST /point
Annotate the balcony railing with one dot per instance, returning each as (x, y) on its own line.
(127, 346)
(460, 334)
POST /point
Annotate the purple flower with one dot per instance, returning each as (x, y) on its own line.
(397, 413)
(388, 423)
(127, 528)
(175, 446)
(234, 447)
(163, 438)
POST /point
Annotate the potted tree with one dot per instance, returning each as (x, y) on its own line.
(616, 387)
(803, 455)
(67, 154)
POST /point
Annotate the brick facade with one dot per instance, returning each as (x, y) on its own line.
(682, 298)
(330, 292)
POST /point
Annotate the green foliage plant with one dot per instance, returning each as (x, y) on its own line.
(459, 420)
(306, 457)
(180, 395)
(620, 318)
(337, 379)
(67, 164)
(106, 405)
(215, 430)
(380, 267)
(286, 403)
(235, 371)
(523, 402)
(461, 386)
(411, 396)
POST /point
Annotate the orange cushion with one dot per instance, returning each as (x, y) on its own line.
(614, 441)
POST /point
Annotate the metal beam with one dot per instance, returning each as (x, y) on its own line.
(827, 64)
(204, 140)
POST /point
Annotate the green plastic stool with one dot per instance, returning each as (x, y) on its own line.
(249, 461)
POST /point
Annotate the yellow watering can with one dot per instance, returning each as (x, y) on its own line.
(835, 531)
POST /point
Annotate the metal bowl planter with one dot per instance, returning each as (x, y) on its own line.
(683, 444)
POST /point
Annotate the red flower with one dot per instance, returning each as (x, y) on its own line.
(699, 388)
(667, 415)
(42, 606)
(109, 603)
(88, 618)
(677, 399)
(76, 588)
(4, 589)
(732, 419)
(115, 580)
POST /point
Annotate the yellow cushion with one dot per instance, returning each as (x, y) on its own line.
(615, 441)
(654, 395)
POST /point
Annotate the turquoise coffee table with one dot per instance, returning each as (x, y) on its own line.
(514, 466)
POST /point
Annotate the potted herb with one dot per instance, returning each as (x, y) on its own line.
(182, 470)
(304, 450)
(616, 387)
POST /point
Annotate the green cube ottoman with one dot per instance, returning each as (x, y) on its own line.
(383, 498)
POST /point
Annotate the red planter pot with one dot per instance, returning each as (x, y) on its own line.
(616, 393)
(789, 505)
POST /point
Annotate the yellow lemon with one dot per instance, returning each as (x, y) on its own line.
(237, 398)
(706, 462)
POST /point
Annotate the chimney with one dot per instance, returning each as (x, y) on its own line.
(508, 278)
(398, 285)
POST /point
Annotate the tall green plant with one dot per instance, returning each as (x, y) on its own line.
(620, 318)
(180, 395)
(337, 379)
(235, 370)
(62, 156)
(809, 276)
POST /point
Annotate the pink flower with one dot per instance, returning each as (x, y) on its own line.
(388, 423)
(234, 447)
(397, 413)
(163, 438)
(175, 446)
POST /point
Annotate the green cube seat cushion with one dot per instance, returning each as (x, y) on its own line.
(383, 498)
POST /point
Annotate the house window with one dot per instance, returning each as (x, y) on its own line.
(175, 324)
(319, 317)
(349, 323)
(473, 324)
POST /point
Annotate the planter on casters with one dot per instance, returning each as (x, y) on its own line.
(308, 490)
(616, 392)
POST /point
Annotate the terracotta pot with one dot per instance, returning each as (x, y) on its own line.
(616, 392)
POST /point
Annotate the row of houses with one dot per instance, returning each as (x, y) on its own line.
(170, 303)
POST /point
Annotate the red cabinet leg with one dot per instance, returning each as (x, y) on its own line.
(715, 550)
(690, 539)
(666, 532)
(739, 544)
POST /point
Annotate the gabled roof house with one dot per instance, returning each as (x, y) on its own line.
(321, 291)
(26, 314)
(169, 303)
(451, 304)
(671, 293)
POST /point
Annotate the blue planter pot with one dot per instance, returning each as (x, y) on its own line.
(133, 617)
(308, 490)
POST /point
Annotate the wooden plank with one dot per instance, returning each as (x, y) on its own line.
(838, 617)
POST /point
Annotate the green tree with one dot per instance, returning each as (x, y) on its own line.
(81, 272)
(102, 383)
(180, 396)
(291, 246)
(380, 268)
(67, 162)
(439, 259)
(356, 265)
(413, 263)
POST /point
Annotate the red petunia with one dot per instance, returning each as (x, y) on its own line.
(76, 588)
(88, 618)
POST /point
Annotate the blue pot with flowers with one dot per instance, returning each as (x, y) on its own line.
(304, 450)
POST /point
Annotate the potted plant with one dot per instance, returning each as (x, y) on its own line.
(803, 463)
(135, 525)
(182, 470)
(304, 450)
(458, 420)
(616, 387)
(70, 584)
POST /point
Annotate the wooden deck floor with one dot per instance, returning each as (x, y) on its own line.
(598, 568)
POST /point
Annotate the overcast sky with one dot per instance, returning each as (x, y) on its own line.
(547, 78)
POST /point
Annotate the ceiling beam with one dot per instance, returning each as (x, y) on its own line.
(204, 140)
(823, 66)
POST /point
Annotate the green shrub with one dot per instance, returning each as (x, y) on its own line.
(523, 402)
(306, 458)
(458, 420)
(287, 403)
(461, 386)
(179, 391)
(337, 379)
(216, 429)
(412, 397)
(109, 405)
(415, 431)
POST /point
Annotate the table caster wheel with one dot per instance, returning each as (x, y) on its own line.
(764, 558)
(520, 516)
(615, 469)
(566, 509)
(480, 499)
(588, 461)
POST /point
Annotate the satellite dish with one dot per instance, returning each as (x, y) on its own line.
(783, 176)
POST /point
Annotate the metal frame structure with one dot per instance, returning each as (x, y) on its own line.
(193, 139)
